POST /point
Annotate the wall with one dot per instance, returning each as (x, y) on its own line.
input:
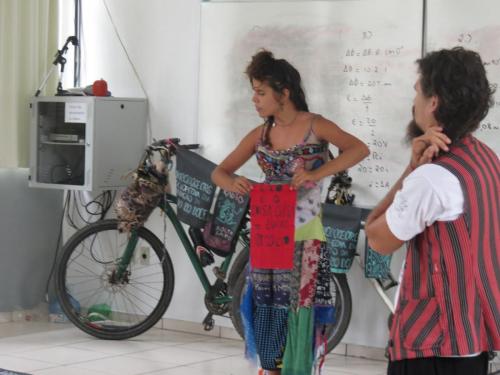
(29, 231)
(155, 56)
(159, 59)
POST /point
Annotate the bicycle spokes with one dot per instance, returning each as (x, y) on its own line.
(114, 290)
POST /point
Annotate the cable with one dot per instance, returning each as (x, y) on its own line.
(85, 212)
(77, 54)
(148, 119)
(58, 245)
(104, 200)
(69, 219)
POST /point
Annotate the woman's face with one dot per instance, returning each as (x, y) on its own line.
(265, 99)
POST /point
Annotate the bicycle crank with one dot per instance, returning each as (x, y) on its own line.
(217, 291)
(208, 322)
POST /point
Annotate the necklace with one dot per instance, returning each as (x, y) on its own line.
(289, 124)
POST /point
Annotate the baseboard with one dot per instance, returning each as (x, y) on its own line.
(345, 349)
(38, 313)
(5, 317)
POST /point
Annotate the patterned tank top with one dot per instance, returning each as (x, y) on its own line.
(279, 167)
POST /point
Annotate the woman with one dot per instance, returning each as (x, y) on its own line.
(289, 308)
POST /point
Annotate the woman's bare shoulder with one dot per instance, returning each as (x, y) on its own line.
(255, 134)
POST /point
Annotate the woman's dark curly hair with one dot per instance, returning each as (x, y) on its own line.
(279, 74)
(458, 78)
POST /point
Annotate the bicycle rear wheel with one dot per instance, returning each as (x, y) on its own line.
(342, 302)
(95, 300)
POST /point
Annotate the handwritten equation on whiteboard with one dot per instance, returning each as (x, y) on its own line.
(490, 126)
(473, 26)
(359, 74)
(371, 73)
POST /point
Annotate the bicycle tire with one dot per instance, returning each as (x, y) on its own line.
(147, 293)
(341, 294)
(234, 310)
(238, 267)
(342, 300)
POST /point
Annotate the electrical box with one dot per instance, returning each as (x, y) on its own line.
(85, 142)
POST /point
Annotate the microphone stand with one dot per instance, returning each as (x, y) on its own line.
(61, 60)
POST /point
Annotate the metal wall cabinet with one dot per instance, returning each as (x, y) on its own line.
(85, 142)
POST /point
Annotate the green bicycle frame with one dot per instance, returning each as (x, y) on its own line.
(166, 206)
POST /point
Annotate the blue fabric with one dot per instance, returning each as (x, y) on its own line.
(270, 335)
(246, 311)
(324, 315)
(271, 287)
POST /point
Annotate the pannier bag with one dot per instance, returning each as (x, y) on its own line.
(377, 266)
(221, 230)
(342, 225)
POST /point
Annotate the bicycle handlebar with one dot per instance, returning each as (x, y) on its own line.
(174, 142)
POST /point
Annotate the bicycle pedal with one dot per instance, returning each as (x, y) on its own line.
(205, 256)
(221, 275)
(208, 322)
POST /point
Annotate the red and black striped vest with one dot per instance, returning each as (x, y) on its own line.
(449, 302)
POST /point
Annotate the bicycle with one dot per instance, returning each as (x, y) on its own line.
(116, 286)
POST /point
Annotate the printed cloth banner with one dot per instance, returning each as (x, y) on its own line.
(342, 225)
(195, 190)
(272, 217)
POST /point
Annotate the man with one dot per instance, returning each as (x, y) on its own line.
(446, 205)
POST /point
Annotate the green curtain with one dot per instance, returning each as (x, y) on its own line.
(28, 43)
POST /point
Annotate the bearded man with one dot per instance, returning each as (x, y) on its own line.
(446, 207)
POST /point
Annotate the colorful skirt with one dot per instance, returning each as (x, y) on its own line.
(285, 312)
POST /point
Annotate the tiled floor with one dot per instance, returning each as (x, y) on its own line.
(59, 349)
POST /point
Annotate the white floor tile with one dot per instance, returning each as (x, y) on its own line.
(220, 346)
(69, 370)
(21, 364)
(235, 365)
(165, 337)
(61, 355)
(12, 346)
(55, 349)
(125, 365)
(116, 347)
(183, 370)
(355, 366)
(22, 328)
(176, 355)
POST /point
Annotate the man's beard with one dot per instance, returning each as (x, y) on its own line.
(412, 129)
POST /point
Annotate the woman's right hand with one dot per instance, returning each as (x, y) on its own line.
(241, 185)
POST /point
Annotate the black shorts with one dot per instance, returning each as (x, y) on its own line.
(477, 365)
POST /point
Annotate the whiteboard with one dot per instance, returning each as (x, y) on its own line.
(473, 25)
(357, 61)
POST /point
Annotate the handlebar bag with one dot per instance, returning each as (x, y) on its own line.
(139, 199)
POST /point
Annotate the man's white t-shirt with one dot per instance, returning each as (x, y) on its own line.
(430, 193)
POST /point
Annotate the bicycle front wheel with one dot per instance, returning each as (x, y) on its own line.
(102, 304)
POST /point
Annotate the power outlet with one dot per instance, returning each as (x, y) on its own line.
(143, 255)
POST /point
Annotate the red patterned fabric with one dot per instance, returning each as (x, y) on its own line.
(309, 274)
(272, 238)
